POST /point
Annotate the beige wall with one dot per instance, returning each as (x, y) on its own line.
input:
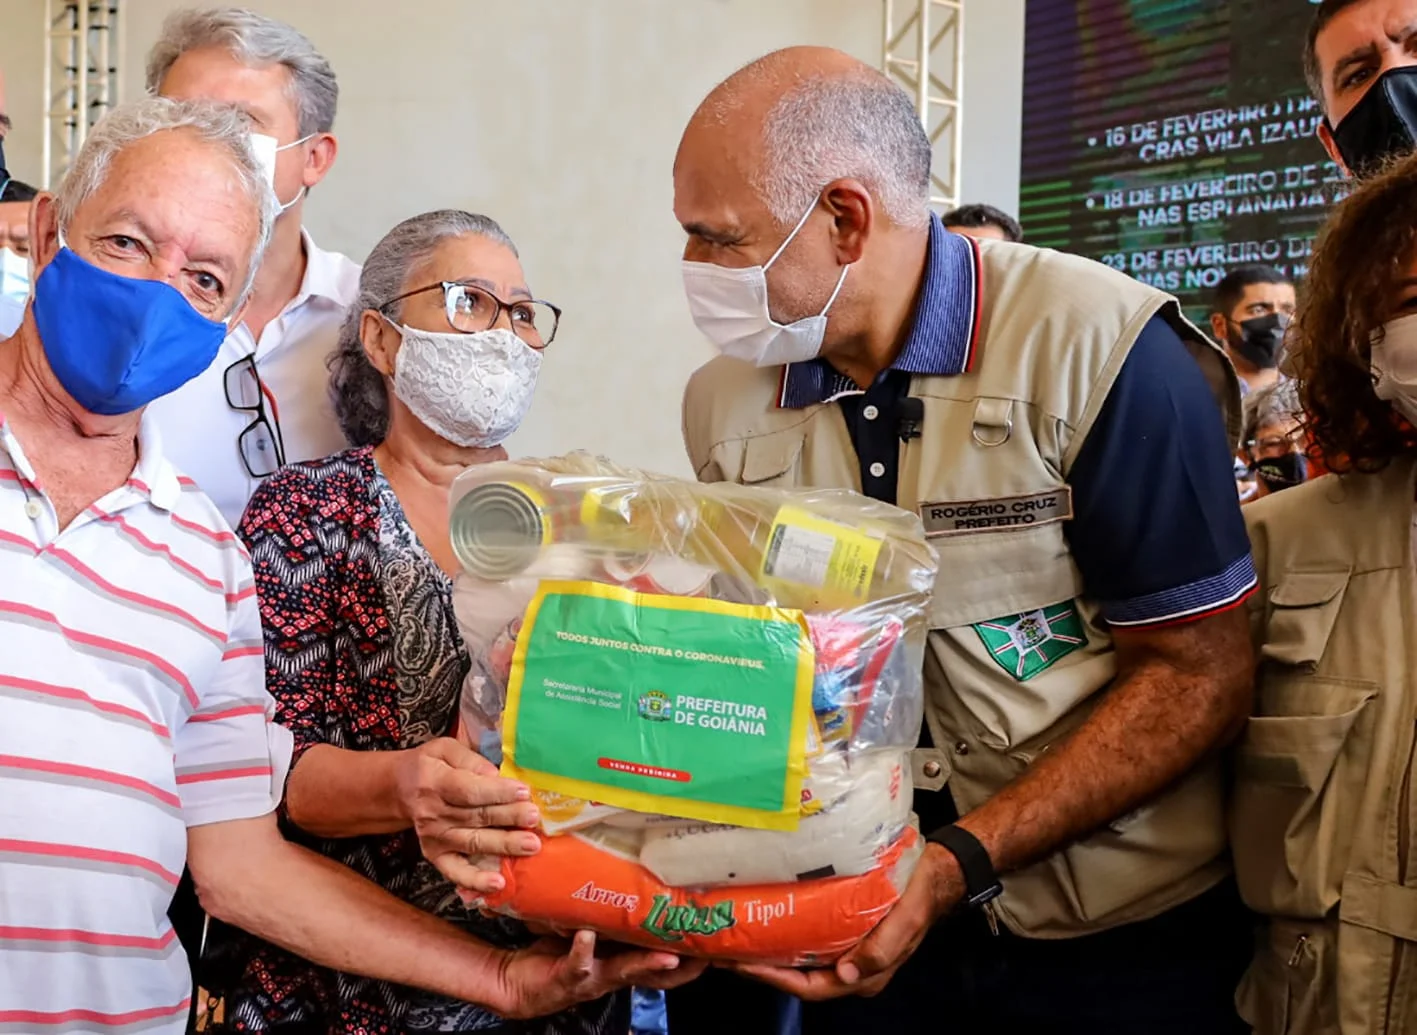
(559, 118)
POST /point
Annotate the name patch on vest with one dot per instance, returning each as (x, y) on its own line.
(1039, 508)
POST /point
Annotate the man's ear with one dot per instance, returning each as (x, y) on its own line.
(44, 230)
(1219, 329)
(1331, 146)
(320, 158)
(853, 213)
(381, 341)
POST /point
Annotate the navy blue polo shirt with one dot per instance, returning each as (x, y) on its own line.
(1157, 532)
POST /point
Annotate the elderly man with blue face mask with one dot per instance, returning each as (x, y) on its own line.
(1055, 426)
(135, 730)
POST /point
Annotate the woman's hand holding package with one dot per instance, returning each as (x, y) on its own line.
(551, 976)
(461, 808)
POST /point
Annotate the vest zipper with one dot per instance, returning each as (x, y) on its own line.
(1404, 823)
(1404, 835)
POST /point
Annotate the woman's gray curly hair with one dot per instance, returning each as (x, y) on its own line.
(1274, 404)
(357, 389)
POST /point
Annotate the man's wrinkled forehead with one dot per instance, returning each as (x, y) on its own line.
(1358, 41)
(14, 225)
(715, 173)
(164, 185)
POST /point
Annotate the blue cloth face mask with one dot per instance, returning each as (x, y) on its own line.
(117, 343)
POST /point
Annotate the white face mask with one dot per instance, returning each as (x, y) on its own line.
(472, 389)
(730, 308)
(266, 150)
(14, 275)
(1395, 366)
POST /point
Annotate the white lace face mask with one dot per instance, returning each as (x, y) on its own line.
(472, 389)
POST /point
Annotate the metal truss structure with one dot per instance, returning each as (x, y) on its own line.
(83, 39)
(924, 52)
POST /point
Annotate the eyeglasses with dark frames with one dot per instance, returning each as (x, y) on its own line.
(261, 447)
(471, 309)
(1271, 446)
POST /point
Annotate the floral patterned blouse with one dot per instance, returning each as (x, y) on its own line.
(363, 652)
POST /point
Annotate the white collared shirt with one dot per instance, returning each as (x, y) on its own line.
(201, 431)
(132, 707)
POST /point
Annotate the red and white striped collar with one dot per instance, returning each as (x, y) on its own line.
(153, 476)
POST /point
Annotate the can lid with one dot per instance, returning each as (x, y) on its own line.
(497, 529)
(625, 567)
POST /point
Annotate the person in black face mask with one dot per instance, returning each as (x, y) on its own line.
(1362, 67)
(1274, 439)
(1249, 315)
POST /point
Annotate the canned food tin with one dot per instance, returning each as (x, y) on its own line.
(498, 528)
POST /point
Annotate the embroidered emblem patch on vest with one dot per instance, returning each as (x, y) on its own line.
(1024, 645)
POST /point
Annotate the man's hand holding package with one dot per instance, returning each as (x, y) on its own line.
(461, 808)
(547, 978)
(935, 889)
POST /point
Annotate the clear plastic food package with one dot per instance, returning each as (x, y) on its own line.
(713, 691)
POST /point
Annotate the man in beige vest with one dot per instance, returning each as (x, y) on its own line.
(1055, 425)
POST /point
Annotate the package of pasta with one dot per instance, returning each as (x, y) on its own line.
(713, 691)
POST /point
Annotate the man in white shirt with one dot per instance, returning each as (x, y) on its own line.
(236, 424)
(135, 731)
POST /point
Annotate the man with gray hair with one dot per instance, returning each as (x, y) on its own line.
(1058, 428)
(135, 731)
(264, 401)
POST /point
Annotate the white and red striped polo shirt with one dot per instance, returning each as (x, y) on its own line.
(132, 706)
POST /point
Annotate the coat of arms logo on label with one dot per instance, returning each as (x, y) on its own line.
(1024, 645)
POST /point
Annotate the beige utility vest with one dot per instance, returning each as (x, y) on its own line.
(1323, 821)
(1054, 333)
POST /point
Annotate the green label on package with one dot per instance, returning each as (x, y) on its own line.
(675, 705)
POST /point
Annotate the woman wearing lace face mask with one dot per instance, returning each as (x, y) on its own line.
(1322, 805)
(436, 367)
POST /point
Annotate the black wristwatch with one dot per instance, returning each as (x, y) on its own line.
(981, 883)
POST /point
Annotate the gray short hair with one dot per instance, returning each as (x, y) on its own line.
(221, 125)
(257, 41)
(1274, 404)
(860, 126)
(361, 401)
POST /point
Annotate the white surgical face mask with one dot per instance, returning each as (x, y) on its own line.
(472, 389)
(730, 308)
(14, 275)
(1395, 366)
(266, 150)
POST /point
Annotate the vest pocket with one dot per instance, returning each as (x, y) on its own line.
(986, 575)
(1291, 987)
(1299, 777)
(771, 459)
(1305, 606)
